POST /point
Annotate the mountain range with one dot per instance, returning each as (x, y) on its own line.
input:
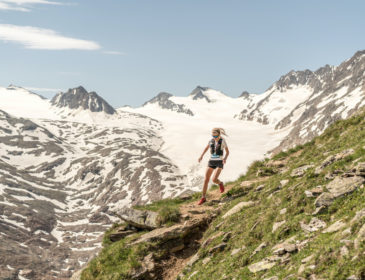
(68, 163)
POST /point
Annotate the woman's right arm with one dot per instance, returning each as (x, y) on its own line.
(206, 149)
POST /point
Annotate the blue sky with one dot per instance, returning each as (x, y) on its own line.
(130, 50)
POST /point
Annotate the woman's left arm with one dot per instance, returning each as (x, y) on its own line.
(227, 153)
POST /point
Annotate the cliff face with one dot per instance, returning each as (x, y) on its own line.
(297, 215)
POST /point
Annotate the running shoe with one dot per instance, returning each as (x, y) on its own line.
(221, 187)
(202, 200)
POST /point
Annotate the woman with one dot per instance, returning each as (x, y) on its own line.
(217, 146)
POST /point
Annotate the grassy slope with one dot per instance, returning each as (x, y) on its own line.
(252, 226)
(325, 246)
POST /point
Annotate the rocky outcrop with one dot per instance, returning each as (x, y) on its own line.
(163, 100)
(330, 89)
(198, 93)
(138, 218)
(333, 158)
(76, 98)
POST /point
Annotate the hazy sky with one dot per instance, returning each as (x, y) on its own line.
(130, 50)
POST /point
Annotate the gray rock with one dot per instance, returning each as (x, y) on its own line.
(334, 227)
(315, 224)
(300, 171)
(120, 235)
(333, 158)
(218, 248)
(261, 266)
(314, 192)
(353, 277)
(341, 186)
(259, 188)
(284, 182)
(259, 248)
(360, 237)
(277, 225)
(238, 207)
(325, 199)
(138, 218)
(193, 260)
(227, 236)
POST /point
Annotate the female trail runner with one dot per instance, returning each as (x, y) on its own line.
(217, 146)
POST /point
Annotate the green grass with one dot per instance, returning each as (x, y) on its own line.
(253, 225)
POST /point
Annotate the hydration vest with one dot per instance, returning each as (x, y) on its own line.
(219, 150)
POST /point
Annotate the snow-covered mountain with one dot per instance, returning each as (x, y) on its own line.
(306, 102)
(68, 162)
(60, 180)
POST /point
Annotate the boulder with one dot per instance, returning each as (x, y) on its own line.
(193, 260)
(283, 211)
(307, 259)
(176, 231)
(359, 214)
(283, 248)
(341, 186)
(259, 188)
(143, 219)
(259, 248)
(235, 209)
(300, 171)
(334, 227)
(276, 163)
(333, 158)
(283, 183)
(277, 225)
(220, 247)
(235, 251)
(360, 237)
(186, 195)
(315, 224)
(360, 169)
(262, 265)
(314, 192)
(120, 235)
(325, 199)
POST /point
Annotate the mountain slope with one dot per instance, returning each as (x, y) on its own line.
(59, 179)
(298, 215)
(306, 102)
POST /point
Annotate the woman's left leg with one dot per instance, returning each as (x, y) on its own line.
(216, 175)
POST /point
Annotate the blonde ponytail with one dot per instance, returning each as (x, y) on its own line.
(220, 131)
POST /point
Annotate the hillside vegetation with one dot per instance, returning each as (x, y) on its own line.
(297, 215)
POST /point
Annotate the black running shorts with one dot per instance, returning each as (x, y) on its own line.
(215, 163)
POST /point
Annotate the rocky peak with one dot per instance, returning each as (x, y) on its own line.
(294, 78)
(198, 93)
(163, 100)
(245, 94)
(161, 97)
(79, 98)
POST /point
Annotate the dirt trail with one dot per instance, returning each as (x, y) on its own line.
(178, 262)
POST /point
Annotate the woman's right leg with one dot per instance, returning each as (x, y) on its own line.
(208, 173)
